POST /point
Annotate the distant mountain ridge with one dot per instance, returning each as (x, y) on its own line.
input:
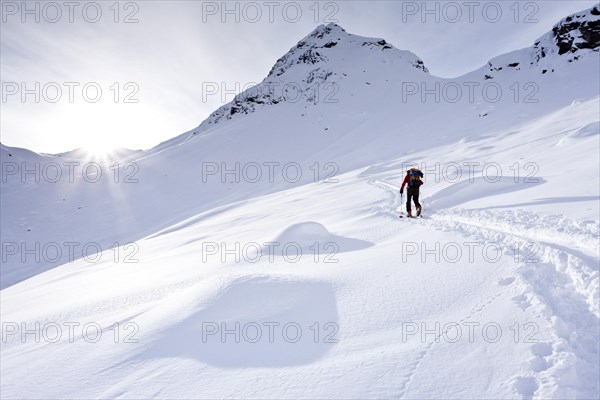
(317, 60)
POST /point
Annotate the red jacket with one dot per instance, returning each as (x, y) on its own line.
(407, 180)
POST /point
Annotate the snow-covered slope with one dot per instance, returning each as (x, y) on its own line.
(336, 99)
(512, 185)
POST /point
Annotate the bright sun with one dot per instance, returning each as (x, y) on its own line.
(99, 150)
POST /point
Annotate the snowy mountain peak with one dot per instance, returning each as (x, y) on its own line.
(331, 40)
(326, 56)
(578, 31)
(573, 37)
(325, 32)
(570, 38)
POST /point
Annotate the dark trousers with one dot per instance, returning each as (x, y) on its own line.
(412, 193)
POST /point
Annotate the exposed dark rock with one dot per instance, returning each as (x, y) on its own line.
(576, 33)
(311, 57)
(420, 65)
(380, 43)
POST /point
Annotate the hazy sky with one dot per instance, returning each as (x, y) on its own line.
(87, 61)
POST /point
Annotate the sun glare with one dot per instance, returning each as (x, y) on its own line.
(99, 151)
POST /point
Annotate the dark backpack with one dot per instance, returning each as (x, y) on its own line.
(415, 177)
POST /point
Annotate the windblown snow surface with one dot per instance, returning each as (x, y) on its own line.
(275, 285)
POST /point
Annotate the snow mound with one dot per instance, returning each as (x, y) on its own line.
(313, 237)
(592, 129)
(304, 233)
(235, 327)
(586, 131)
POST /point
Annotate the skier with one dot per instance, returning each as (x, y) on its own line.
(413, 180)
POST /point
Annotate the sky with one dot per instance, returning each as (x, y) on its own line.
(104, 74)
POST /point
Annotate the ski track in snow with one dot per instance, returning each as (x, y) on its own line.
(397, 203)
(553, 266)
